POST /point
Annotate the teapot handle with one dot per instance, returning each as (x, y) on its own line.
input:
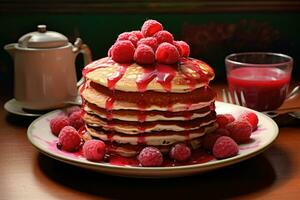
(80, 47)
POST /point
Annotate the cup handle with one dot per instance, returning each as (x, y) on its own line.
(80, 47)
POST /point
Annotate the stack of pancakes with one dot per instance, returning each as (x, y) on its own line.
(130, 106)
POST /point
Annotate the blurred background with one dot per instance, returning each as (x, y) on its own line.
(213, 29)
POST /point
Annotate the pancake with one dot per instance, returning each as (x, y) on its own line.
(141, 116)
(181, 76)
(133, 128)
(161, 99)
(129, 106)
(152, 139)
(100, 99)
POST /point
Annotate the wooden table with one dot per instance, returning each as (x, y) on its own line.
(27, 174)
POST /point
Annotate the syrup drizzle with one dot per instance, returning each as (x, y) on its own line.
(110, 137)
(186, 134)
(109, 106)
(164, 74)
(109, 103)
(116, 76)
(141, 140)
(143, 81)
(142, 116)
(170, 108)
(109, 115)
(82, 130)
(188, 115)
(141, 128)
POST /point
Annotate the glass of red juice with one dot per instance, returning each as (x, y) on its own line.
(263, 78)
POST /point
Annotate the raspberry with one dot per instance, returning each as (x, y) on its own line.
(183, 48)
(128, 36)
(224, 119)
(209, 140)
(144, 54)
(124, 36)
(72, 109)
(252, 118)
(164, 36)
(109, 51)
(150, 41)
(166, 53)
(239, 130)
(180, 152)
(58, 123)
(138, 34)
(123, 51)
(222, 132)
(150, 27)
(75, 120)
(69, 139)
(94, 150)
(150, 157)
(225, 147)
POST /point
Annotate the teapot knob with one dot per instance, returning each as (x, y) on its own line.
(41, 28)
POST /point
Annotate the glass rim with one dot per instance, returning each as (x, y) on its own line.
(227, 59)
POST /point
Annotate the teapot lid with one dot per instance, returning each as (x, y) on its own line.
(43, 39)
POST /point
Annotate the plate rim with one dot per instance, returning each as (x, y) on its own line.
(214, 165)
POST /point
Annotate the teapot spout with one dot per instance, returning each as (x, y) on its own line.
(11, 48)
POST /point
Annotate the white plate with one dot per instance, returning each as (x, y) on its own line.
(41, 137)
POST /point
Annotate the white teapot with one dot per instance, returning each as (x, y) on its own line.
(45, 74)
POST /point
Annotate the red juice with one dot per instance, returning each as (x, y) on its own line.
(263, 88)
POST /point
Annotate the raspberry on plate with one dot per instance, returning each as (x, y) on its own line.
(239, 130)
(150, 27)
(164, 36)
(94, 150)
(150, 157)
(57, 123)
(180, 152)
(225, 147)
(144, 54)
(252, 118)
(138, 34)
(123, 51)
(224, 119)
(166, 53)
(69, 139)
(72, 109)
(150, 41)
(209, 140)
(128, 36)
(75, 120)
(183, 48)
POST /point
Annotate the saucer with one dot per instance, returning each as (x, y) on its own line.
(295, 115)
(14, 107)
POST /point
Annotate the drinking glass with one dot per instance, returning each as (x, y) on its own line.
(262, 77)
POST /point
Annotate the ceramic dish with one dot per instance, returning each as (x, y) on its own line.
(41, 137)
(14, 107)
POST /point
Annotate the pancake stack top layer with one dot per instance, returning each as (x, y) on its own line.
(130, 106)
